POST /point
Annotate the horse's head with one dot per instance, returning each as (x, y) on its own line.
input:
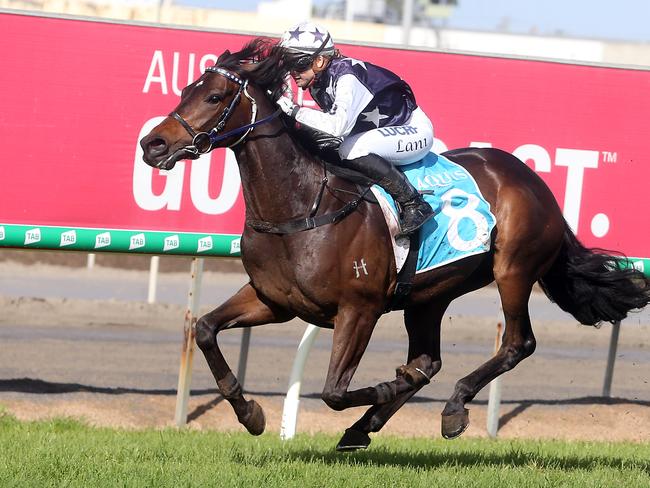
(217, 109)
(215, 105)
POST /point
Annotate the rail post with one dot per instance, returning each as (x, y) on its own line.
(243, 355)
(292, 400)
(185, 372)
(153, 279)
(494, 398)
(611, 358)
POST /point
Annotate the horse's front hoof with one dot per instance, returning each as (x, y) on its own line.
(353, 440)
(455, 424)
(255, 422)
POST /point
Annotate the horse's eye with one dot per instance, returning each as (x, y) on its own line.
(214, 99)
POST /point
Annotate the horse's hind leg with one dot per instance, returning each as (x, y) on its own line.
(518, 343)
(423, 328)
(244, 309)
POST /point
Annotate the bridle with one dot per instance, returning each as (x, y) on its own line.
(203, 142)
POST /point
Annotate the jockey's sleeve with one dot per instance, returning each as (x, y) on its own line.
(351, 98)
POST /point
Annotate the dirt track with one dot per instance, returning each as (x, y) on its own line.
(115, 363)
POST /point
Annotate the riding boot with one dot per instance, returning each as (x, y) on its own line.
(414, 210)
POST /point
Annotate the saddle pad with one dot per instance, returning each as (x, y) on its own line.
(462, 223)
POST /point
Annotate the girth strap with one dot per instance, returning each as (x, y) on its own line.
(406, 275)
(305, 223)
(310, 222)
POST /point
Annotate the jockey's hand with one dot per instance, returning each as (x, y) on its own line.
(288, 88)
(287, 106)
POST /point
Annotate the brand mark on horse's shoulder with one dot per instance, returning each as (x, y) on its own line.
(359, 267)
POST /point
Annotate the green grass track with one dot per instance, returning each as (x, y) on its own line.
(69, 453)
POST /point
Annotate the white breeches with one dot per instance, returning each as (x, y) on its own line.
(400, 144)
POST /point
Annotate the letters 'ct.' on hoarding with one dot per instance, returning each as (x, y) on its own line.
(79, 98)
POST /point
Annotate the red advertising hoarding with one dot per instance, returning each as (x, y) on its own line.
(78, 95)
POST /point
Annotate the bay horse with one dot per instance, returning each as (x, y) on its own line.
(310, 273)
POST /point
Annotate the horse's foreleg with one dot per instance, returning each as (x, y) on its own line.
(423, 328)
(518, 343)
(244, 309)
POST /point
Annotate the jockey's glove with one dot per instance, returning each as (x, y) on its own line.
(287, 106)
(287, 87)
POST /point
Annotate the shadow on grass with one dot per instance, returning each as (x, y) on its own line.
(435, 460)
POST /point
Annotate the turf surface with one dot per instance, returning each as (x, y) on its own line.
(68, 453)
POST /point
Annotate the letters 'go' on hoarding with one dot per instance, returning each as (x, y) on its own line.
(79, 95)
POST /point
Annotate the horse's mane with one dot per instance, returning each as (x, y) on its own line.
(260, 61)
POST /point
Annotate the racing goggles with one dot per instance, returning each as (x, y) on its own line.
(304, 62)
(301, 64)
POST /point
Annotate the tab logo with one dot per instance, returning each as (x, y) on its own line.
(639, 266)
(32, 236)
(205, 244)
(68, 238)
(171, 242)
(137, 241)
(235, 245)
(102, 240)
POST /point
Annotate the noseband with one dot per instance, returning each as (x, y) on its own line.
(203, 142)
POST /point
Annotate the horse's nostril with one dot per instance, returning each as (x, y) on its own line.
(156, 146)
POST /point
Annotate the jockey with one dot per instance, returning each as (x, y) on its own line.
(368, 113)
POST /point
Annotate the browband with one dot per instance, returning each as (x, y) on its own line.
(227, 74)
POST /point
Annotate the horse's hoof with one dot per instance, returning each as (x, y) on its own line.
(353, 440)
(255, 422)
(455, 424)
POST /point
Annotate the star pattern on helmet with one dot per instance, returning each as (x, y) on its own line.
(374, 116)
(295, 34)
(318, 35)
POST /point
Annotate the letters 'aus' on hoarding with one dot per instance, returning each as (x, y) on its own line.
(78, 95)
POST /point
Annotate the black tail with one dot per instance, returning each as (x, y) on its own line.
(592, 285)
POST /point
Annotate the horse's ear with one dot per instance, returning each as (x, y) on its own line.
(225, 55)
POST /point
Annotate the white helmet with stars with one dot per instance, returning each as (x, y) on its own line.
(308, 38)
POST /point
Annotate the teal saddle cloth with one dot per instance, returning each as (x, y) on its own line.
(463, 221)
